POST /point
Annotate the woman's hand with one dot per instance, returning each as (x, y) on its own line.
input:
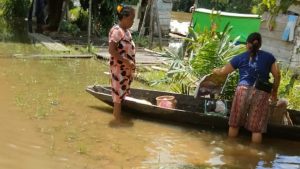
(273, 97)
(129, 63)
(132, 64)
(277, 76)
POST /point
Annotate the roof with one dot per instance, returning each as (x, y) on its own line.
(227, 13)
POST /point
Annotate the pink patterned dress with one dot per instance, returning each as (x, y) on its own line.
(121, 75)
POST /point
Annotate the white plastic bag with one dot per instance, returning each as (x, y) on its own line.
(220, 107)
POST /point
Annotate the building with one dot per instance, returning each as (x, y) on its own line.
(286, 51)
(164, 10)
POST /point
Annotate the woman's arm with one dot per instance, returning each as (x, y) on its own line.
(225, 70)
(113, 49)
(277, 76)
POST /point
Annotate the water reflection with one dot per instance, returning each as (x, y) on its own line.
(220, 152)
(161, 152)
(281, 162)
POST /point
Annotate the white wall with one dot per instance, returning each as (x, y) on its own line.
(296, 51)
(164, 10)
(272, 42)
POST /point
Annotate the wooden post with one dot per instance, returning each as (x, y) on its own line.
(142, 31)
(67, 9)
(64, 14)
(158, 24)
(89, 26)
(151, 25)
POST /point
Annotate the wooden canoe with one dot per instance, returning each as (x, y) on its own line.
(188, 111)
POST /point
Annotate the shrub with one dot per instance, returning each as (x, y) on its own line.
(15, 8)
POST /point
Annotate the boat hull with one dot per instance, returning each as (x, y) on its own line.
(188, 111)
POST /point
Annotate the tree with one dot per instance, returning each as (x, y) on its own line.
(54, 14)
(103, 13)
(185, 5)
(15, 8)
(14, 12)
(182, 5)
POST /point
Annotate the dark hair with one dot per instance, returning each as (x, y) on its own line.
(255, 40)
(124, 11)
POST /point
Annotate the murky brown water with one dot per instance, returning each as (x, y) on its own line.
(49, 121)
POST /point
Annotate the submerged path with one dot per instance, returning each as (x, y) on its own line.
(49, 42)
(142, 56)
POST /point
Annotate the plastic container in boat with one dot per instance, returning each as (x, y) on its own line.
(166, 102)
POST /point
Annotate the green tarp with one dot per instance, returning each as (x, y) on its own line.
(243, 24)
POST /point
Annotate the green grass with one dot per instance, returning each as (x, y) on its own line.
(148, 76)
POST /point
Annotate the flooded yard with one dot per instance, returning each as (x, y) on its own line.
(49, 121)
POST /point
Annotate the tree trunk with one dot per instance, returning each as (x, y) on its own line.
(54, 14)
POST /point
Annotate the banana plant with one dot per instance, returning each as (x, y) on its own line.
(179, 75)
(214, 52)
(208, 51)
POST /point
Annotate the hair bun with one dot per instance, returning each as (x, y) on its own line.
(119, 8)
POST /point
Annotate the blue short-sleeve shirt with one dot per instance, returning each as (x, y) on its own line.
(260, 66)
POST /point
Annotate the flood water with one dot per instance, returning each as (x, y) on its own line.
(49, 120)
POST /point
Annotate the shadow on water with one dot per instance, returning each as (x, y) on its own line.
(126, 122)
(154, 119)
(106, 109)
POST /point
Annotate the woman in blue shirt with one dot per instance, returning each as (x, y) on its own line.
(250, 107)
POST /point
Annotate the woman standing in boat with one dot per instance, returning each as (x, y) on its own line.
(251, 101)
(122, 60)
